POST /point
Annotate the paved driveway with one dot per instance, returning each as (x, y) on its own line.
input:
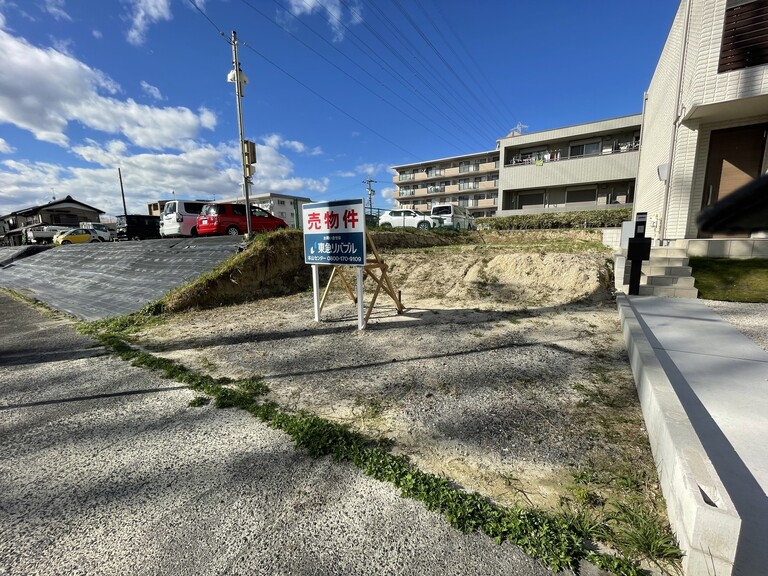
(106, 470)
(94, 281)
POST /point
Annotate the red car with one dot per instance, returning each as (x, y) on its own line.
(226, 218)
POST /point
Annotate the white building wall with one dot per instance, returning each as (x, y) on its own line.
(701, 86)
(658, 124)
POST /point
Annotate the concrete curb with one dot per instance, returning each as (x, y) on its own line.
(700, 510)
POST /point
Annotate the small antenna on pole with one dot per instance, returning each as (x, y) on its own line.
(518, 129)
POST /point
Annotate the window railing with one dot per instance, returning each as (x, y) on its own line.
(435, 189)
(540, 158)
(406, 177)
(463, 168)
(469, 185)
(435, 172)
(406, 192)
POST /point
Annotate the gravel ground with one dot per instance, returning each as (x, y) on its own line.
(748, 318)
(488, 378)
(107, 470)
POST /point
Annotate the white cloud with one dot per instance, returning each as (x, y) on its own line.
(5, 148)
(388, 194)
(63, 45)
(371, 169)
(56, 9)
(42, 91)
(97, 34)
(152, 91)
(203, 171)
(145, 13)
(333, 11)
(277, 141)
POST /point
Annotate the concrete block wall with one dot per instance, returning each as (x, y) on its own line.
(737, 248)
(701, 512)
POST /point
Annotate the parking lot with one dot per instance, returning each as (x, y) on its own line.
(101, 280)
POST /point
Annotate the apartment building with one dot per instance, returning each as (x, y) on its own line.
(706, 114)
(282, 205)
(471, 180)
(585, 167)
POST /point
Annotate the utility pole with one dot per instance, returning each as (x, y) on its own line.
(371, 192)
(122, 192)
(239, 79)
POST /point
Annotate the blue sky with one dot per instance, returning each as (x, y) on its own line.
(339, 90)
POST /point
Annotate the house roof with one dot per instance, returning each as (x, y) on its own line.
(68, 200)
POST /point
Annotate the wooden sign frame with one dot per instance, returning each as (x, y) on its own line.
(375, 268)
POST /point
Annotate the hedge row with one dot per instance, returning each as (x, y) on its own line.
(580, 219)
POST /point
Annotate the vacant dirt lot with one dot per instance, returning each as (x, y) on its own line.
(506, 373)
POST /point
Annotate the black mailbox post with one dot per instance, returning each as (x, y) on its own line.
(638, 249)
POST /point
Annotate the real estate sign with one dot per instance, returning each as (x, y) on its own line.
(334, 232)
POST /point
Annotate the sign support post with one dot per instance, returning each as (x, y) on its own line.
(316, 290)
(362, 320)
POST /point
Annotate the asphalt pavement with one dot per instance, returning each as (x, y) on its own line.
(101, 280)
(106, 469)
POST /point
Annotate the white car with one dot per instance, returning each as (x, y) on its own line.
(407, 218)
(100, 230)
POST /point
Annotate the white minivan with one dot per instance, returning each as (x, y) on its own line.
(180, 217)
(453, 216)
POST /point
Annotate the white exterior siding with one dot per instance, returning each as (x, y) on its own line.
(658, 125)
(708, 101)
(571, 172)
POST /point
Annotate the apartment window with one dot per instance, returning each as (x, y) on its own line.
(281, 202)
(530, 199)
(581, 195)
(584, 148)
(745, 35)
(463, 167)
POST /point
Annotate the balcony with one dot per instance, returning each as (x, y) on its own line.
(486, 203)
(570, 171)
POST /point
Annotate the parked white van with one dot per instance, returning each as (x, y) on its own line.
(179, 217)
(453, 216)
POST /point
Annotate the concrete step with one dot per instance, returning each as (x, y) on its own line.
(665, 261)
(651, 269)
(676, 281)
(667, 291)
(666, 252)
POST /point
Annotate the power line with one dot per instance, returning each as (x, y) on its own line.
(438, 92)
(440, 56)
(344, 112)
(499, 104)
(324, 99)
(348, 75)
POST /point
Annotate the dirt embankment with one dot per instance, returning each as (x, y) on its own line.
(506, 372)
(482, 264)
